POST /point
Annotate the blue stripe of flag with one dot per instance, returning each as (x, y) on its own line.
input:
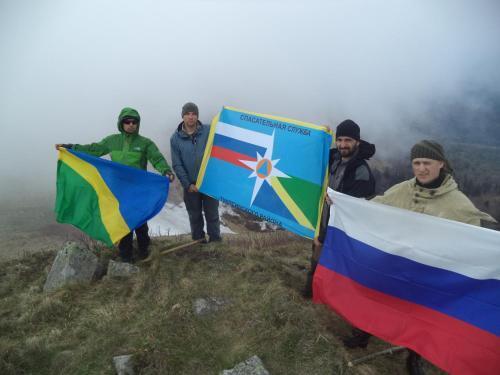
(473, 301)
(241, 147)
(236, 183)
(145, 191)
(268, 200)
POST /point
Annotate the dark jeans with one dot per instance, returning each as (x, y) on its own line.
(195, 204)
(143, 241)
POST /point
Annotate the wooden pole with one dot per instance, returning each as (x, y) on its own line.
(148, 259)
(391, 350)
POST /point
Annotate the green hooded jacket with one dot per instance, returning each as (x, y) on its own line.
(446, 201)
(133, 150)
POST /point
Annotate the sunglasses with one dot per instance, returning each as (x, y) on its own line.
(133, 122)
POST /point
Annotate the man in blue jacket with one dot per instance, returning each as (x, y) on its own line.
(187, 146)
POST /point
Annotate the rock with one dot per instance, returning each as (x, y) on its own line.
(254, 226)
(121, 269)
(72, 265)
(124, 365)
(101, 269)
(252, 366)
(204, 306)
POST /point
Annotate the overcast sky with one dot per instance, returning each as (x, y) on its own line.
(68, 67)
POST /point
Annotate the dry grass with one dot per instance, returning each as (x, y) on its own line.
(77, 330)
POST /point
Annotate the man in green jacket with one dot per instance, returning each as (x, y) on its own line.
(129, 148)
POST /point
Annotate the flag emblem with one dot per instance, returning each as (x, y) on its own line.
(270, 166)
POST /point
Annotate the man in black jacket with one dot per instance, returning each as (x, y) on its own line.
(349, 174)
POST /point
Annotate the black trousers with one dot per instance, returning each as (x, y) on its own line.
(143, 240)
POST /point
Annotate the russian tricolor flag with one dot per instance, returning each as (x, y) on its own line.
(426, 283)
(236, 145)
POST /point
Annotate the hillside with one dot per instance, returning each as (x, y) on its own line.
(467, 124)
(78, 330)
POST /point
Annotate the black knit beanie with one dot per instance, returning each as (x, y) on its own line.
(189, 107)
(430, 150)
(348, 128)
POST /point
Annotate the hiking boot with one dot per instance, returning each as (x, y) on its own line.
(125, 252)
(143, 254)
(414, 363)
(126, 259)
(359, 339)
(307, 292)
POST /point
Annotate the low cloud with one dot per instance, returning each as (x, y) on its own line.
(69, 67)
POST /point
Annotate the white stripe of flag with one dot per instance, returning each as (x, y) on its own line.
(462, 248)
(244, 135)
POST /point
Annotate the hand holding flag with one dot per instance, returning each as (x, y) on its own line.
(105, 199)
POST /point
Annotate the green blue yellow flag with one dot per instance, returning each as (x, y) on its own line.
(105, 199)
(272, 167)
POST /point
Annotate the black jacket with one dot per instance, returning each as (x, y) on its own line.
(358, 180)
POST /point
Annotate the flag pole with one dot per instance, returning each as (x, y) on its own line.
(149, 258)
(391, 350)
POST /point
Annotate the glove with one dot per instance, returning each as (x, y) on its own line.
(170, 176)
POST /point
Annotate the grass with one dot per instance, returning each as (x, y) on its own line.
(79, 329)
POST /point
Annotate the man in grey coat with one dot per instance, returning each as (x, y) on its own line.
(187, 146)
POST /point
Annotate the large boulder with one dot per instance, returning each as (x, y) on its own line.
(73, 265)
(252, 366)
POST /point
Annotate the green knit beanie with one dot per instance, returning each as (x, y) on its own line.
(430, 150)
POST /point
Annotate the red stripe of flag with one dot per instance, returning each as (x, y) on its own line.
(230, 156)
(453, 345)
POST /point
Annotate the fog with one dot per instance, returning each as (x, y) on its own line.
(68, 67)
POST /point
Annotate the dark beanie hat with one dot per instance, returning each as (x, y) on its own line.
(348, 128)
(430, 150)
(189, 107)
(129, 118)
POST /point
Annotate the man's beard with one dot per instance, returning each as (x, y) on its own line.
(348, 152)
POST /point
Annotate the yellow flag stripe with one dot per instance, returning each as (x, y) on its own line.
(290, 204)
(208, 150)
(321, 203)
(109, 206)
